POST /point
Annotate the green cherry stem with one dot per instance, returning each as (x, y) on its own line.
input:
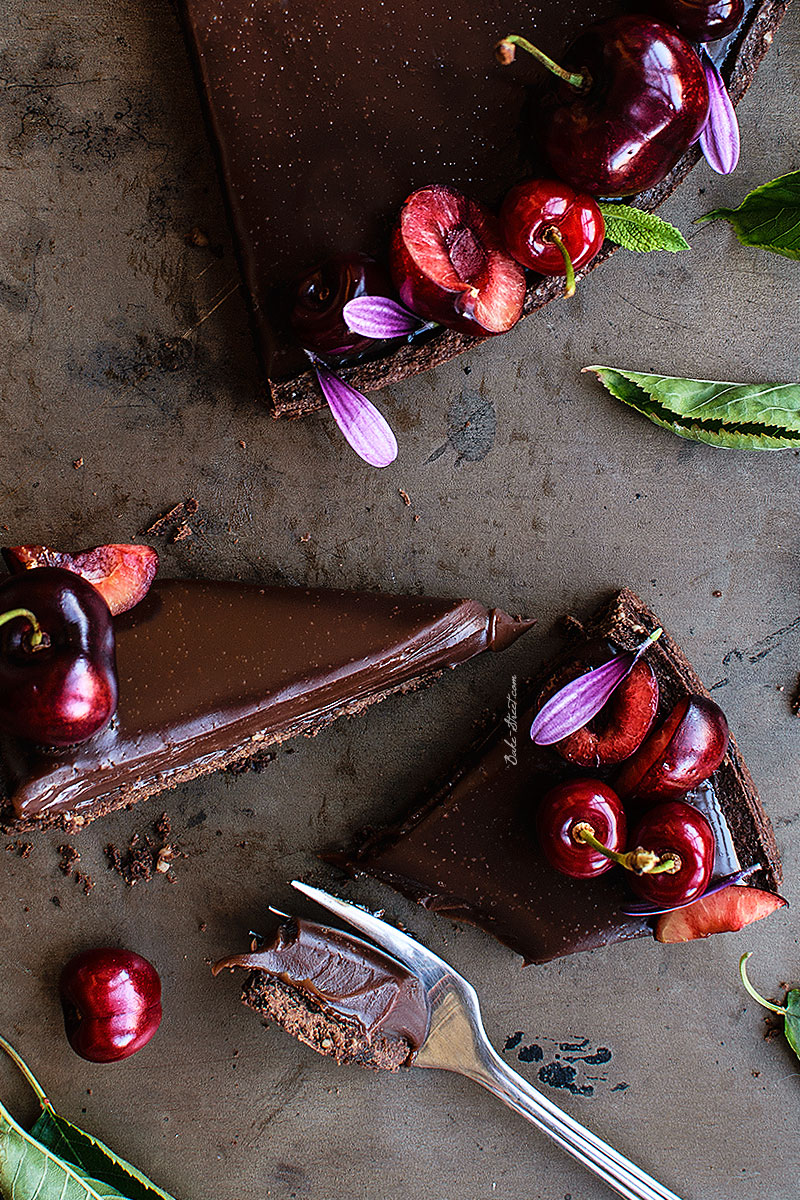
(505, 52)
(639, 860)
(37, 637)
(776, 1008)
(28, 1073)
(552, 235)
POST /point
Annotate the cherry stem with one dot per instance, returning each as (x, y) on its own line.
(552, 235)
(37, 637)
(776, 1008)
(640, 861)
(505, 53)
(28, 1073)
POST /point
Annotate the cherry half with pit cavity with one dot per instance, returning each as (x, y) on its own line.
(111, 1000)
(564, 817)
(684, 750)
(449, 263)
(58, 678)
(551, 228)
(678, 833)
(621, 725)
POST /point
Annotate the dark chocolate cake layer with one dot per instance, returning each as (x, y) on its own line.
(211, 673)
(471, 852)
(325, 117)
(337, 993)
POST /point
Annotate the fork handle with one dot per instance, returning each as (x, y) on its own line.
(623, 1176)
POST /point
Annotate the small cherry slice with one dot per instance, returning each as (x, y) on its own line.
(684, 750)
(449, 263)
(121, 573)
(722, 912)
(678, 831)
(567, 809)
(621, 725)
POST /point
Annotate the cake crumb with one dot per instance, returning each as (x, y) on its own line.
(305, 537)
(147, 854)
(197, 237)
(794, 703)
(23, 849)
(78, 463)
(405, 497)
(69, 859)
(176, 520)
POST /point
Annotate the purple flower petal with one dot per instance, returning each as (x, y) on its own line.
(719, 140)
(574, 705)
(362, 425)
(652, 910)
(379, 317)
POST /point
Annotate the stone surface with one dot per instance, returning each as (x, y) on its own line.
(534, 490)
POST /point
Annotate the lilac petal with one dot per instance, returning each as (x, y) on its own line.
(362, 425)
(719, 140)
(652, 910)
(574, 705)
(379, 317)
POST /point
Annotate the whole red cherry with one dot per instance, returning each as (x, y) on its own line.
(700, 20)
(320, 296)
(551, 228)
(573, 809)
(111, 1000)
(678, 831)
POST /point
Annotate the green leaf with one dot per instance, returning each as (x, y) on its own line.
(791, 1022)
(641, 231)
(56, 1160)
(92, 1156)
(736, 416)
(768, 217)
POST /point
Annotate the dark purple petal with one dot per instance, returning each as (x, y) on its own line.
(652, 910)
(719, 140)
(362, 425)
(379, 317)
(574, 705)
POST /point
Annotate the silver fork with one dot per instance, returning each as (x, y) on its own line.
(457, 1042)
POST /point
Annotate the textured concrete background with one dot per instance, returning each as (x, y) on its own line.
(534, 490)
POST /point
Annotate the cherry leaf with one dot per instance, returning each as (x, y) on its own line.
(768, 217)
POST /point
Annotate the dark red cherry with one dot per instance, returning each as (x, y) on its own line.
(674, 830)
(567, 810)
(449, 263)
(683, 751)
(550, 228)
(629, 99)
(58, 679)
(700, 20)
(622, 723)
(111, 1001)
(318, 300)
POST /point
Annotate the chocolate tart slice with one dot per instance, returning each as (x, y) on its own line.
(338, 994)
(211, 673)
(324, 117)
(471, 852)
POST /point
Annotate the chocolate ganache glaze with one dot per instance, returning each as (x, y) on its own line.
(471, 851)
(325, 117)
(334, 984)
(212, 672)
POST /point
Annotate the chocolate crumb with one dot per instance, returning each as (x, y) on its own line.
(55, 900)
(305, 537)
(69, 859)
(85, 881)
(146, 855)
(406, 498)
(183, 532)
(794, 703)
(78, 463)
(197, 237)
(176, 519)
(717, 594)
(202, 927)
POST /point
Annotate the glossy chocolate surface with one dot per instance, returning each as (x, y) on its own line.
(326, 116)
(347, 977)
(207, 666)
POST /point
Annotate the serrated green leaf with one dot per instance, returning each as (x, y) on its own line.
(56, 1160)
(768, 217)
(91, 1155)
(735, 416)
(635, 229)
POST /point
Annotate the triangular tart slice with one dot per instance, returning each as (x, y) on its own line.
(211, 673)
(471, 852)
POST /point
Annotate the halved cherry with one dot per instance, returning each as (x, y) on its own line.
(622, 723)
(570, 812)
(679, 835)
(121, 573)
(683, 751)
(722, 912)
(449, 263)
